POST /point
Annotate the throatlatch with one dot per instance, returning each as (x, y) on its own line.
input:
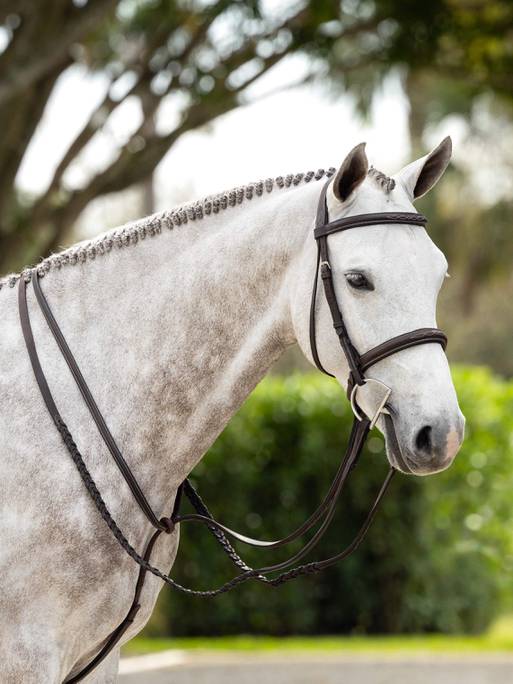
(273, 574)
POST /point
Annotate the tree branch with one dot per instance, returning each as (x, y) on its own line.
(37, 62)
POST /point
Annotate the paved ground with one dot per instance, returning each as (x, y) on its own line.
(317, 669)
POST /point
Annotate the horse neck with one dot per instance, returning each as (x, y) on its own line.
(174, 333)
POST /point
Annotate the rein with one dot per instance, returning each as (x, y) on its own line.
(273, 574)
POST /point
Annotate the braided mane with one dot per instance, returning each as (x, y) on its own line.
(131, 233)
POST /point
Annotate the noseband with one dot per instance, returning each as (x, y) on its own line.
(272, 574)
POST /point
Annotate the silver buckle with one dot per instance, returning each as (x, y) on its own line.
(381, 400)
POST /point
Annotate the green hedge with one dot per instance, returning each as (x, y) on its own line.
(439, 556)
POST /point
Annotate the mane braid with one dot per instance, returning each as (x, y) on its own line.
(131, 233)
(385, 182)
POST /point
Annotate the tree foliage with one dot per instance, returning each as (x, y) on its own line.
(439, 554)
(205, 55)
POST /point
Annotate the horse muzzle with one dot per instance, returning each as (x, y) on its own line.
(428, 450)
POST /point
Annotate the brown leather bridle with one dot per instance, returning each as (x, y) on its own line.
(360, 363)
(286, 570)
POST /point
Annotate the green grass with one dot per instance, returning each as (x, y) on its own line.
(498, 638)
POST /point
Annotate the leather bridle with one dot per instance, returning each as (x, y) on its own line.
(359, 363)
(272, 574)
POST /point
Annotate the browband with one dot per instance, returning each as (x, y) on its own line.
(361, 220)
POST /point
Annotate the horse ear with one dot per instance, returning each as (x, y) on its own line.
(420, 176)
(352, 172)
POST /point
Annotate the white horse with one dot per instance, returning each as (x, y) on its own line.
(174, 320)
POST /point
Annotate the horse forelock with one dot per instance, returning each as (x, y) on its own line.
(386, 183)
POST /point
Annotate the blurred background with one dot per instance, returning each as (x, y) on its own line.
(113, 109)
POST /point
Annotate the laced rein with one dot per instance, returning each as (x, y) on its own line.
(322, 516)
(273, 574)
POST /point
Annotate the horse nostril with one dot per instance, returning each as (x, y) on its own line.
(423, 441)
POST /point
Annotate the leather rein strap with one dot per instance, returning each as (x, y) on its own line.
(287, 570)
(271, 574)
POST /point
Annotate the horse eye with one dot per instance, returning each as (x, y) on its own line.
(359, 281)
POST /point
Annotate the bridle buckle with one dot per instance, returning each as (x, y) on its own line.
(381, 400)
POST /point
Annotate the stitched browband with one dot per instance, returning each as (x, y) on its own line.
(377, 219)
